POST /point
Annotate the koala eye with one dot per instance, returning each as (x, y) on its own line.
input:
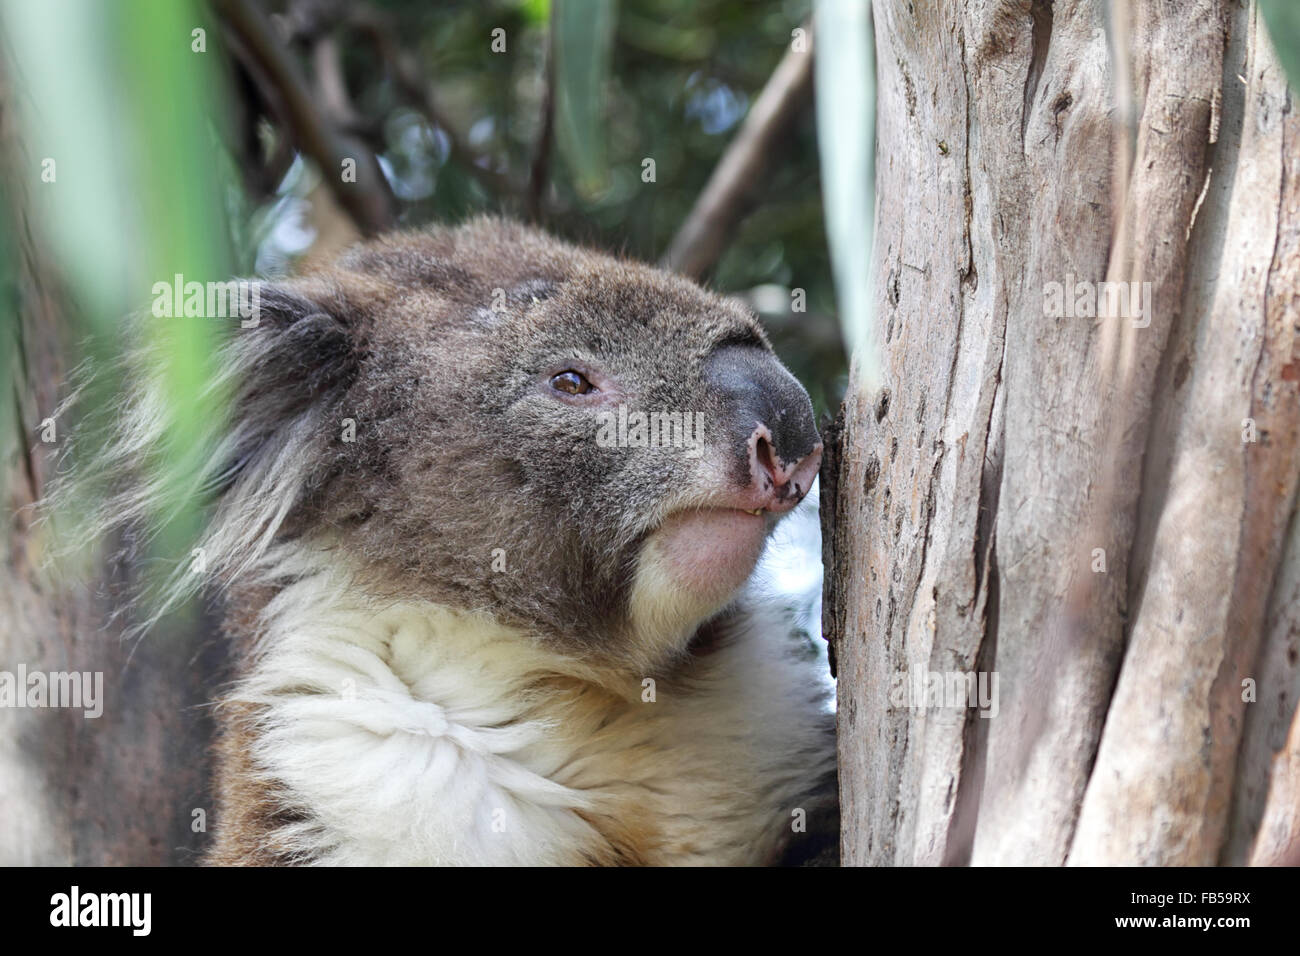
(572, 383)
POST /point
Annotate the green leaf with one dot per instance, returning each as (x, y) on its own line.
(1283, 20)
(118, 112)
(845, 80)
(583, 41)
(535, 11)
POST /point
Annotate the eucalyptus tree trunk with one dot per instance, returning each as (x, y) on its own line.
(1095, 513)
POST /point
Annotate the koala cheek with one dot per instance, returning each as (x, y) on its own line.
(690, 568)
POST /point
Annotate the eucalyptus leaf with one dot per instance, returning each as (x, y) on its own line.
(845, 81)
(1283, 20)
(583, 42)
(117, 113)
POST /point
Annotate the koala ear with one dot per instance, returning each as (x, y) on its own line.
(294, 351)
(283, 367)
(286, 368)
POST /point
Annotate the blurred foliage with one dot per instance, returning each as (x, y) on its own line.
(582, 42)
(1283, 20)
(846, 128)
(118, 133)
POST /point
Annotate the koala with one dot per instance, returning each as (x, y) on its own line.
(482, 610)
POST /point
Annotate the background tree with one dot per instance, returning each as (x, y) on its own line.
(1103, 512)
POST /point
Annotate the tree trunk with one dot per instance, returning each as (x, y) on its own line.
(1099, 512)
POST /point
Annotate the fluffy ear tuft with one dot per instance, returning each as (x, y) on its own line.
(282, 372)
(297, 361)
(287, 376)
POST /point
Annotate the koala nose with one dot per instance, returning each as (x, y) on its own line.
(782, 483)
(774, 450)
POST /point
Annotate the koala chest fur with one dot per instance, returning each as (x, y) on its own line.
(486, 506)
(412, 734)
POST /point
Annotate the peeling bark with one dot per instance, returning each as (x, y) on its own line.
(1065, 501)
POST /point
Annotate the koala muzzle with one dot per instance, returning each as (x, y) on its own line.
(767, 428)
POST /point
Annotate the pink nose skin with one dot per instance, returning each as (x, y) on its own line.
(777, 485)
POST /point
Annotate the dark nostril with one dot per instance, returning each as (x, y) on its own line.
(771, 471)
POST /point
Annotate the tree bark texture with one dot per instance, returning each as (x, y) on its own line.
(1101, 512)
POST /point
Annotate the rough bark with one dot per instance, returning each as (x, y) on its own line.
(1007, 448)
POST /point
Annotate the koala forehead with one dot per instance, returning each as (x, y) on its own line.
(492, 290)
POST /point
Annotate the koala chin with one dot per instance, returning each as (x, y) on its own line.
(486, 510)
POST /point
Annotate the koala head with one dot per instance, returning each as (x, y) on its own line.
(587, 448)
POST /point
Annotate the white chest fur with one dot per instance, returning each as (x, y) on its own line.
(411, 734)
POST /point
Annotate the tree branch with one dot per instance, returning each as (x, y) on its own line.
(1278, 840)
(702, 237)
(540, 170)
(368, 201)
